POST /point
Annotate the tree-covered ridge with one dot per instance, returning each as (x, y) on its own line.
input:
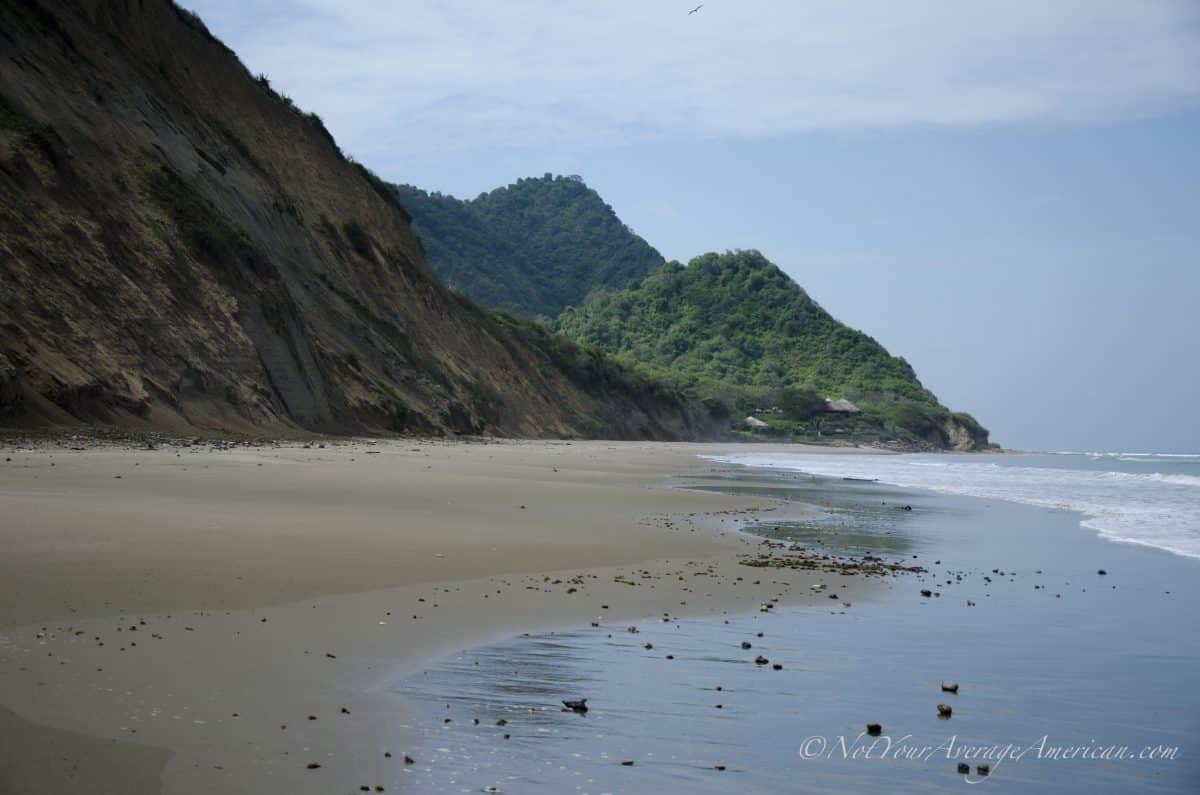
(534, 247)
(739, 330)
(736, 317)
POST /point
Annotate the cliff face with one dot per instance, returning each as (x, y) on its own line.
(963, 433)
(182, 248)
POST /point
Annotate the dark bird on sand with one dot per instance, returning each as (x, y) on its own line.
(697, 8)
(578, 705)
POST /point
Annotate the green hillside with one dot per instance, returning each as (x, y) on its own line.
(534, 247)
(729, 328)
(738, 330)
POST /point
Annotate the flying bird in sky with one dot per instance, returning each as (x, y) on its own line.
(697, 8)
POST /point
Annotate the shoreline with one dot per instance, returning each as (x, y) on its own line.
(276, 610)
(1011, 591)
(1095, 512)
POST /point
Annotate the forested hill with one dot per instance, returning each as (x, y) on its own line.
(534, 247)
(730, 328)
(738, 329)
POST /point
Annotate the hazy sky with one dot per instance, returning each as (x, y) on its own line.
(1005, 193)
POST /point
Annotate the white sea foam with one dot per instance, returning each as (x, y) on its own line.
(1193, 456)
(1182, 480)
(1154, 509)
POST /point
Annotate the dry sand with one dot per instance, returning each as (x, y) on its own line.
(171, 618)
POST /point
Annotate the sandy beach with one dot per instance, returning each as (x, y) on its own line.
(316, 317)
(193, 619)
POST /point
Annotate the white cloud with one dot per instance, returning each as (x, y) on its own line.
(561, 73)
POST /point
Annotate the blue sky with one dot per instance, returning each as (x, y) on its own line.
(1003, 193)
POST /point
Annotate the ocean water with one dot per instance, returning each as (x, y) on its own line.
(1138, 498)
(1052, 658)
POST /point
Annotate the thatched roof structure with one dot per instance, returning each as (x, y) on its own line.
(841, 406)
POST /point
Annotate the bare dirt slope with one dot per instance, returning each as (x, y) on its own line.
(181, 247)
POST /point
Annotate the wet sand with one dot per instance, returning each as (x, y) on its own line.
(223, 619)
(1011, 606)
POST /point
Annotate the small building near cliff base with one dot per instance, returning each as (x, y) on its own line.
(841, 406)
(754, 422)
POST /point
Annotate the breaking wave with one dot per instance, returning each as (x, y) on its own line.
(1157, 509)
